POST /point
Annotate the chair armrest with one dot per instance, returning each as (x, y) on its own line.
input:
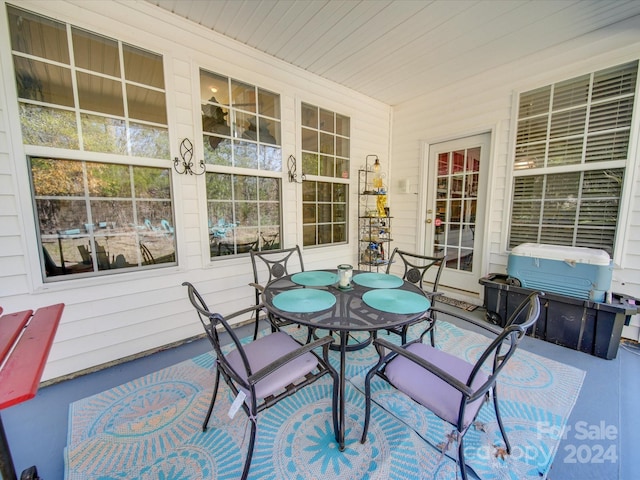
(273, 366)
(257, 286)
(433, 295)
(451, 380)
(484, 325)
(243, 311)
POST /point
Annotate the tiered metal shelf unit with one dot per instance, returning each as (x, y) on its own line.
(374, 222)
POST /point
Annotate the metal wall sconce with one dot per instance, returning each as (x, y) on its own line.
(186, 153)
(292, 168)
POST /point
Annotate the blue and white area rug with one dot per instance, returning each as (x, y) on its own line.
(150, 428)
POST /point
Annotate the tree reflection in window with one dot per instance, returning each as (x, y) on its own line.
(98, 217)
(53, 89)
(243, 212)
(241, 129)
(240, 123)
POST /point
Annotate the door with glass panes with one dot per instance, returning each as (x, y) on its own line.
(455, 208)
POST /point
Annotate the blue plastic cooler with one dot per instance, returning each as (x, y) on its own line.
(573, 271)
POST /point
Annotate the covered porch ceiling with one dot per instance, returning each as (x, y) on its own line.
(397, 50)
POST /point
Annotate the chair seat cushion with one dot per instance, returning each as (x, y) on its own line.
(268, 349)
(430, 390)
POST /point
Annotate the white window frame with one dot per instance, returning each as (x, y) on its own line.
(23, 152)
(325, 179)
(630, 165)
(211, 168)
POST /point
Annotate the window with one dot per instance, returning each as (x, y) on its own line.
(81, 91)
(243, 157)
(571, 153)
(252, 204)
(100, 217)
(325, 156)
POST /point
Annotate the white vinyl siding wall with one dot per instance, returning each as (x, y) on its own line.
(106, 319)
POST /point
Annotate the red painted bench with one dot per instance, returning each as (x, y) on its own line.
(25, 341)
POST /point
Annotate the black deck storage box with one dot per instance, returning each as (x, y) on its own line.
(584, 325)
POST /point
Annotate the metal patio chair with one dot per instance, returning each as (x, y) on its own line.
(416, 269)
(264, 371)
(278, 263)
(450, 387)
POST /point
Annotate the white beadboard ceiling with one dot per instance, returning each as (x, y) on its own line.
(395, 50)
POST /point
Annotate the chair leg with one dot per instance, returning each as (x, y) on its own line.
(213, 400)
(255, 332)
(334, 407)
(403, 334)
(367, 408)
(499, 418)
(432, 332)
(463, 466)
(272, 321)
(252, 441)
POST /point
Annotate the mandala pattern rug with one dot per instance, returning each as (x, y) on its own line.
(150, 428)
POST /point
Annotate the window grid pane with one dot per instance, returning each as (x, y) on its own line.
(100, 218)
(39, 36)
(324, 217)
(325, 153)
(240, 123)
(143, 67)
(43, 82)
(243, 213)
(534, 102)
(571, 93)
(98, 74)
(96, 53)
(319, 137)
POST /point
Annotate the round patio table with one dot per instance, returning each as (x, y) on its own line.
(312, 299)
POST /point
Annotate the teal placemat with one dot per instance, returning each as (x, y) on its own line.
(396, 301)
(377, 280)
(315, 278)
(304, 300)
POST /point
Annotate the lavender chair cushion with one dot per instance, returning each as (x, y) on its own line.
(428, 389)
(268, 349)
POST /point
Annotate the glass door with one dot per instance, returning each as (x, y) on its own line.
(455, 208)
